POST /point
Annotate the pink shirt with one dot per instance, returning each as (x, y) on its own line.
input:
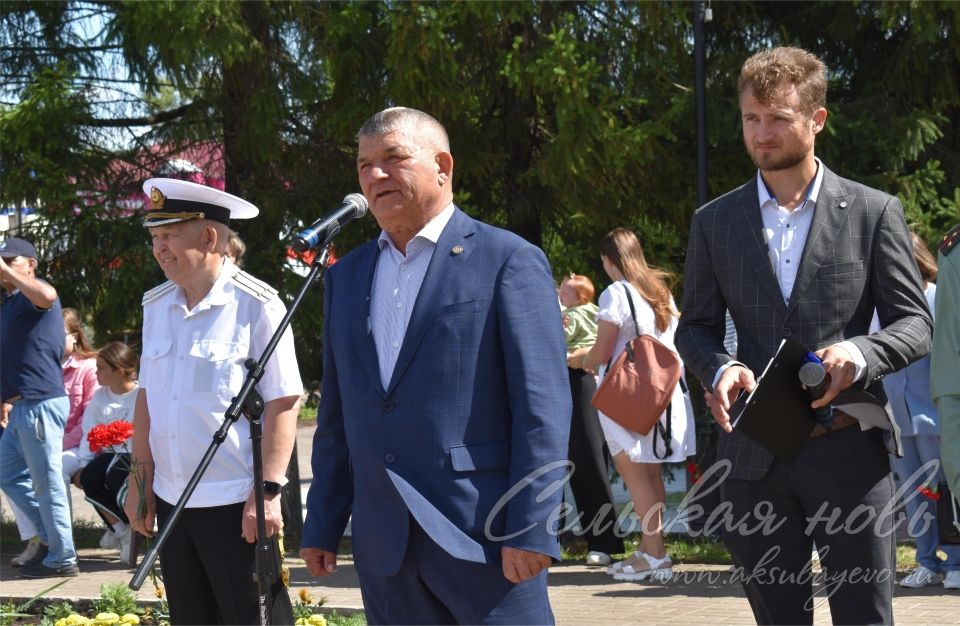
(80, 381)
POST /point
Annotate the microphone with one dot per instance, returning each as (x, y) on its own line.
(814, 378)
(325, 228)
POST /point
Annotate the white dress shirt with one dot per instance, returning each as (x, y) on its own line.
(396, 286)
(785, 232)
(192, 367)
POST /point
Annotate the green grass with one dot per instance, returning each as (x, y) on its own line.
(86, 534)
(308, 414)
(354, 619)
(682, 549)
(703, 550)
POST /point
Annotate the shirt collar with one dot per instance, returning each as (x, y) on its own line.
(764, 195)
(431, 231)
(218, 294)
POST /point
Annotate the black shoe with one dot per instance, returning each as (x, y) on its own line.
(39, 570)
(37, 557)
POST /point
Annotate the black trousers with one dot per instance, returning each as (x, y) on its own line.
(102, 479)
(208, 569)
(590, 481)
(838, 493)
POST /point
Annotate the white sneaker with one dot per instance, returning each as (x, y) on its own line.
(123, 541)
(921, 577)
(597, 559)
(29, 552)
(109, 541)
(952, 580)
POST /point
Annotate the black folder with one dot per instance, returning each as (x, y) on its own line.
(777, 413)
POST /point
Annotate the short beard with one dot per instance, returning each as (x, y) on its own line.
(775, 164)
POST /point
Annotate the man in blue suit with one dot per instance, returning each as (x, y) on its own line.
(445, 406)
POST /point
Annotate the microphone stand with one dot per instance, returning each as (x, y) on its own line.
(249, 402)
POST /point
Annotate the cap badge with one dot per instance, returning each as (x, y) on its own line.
(156, 199)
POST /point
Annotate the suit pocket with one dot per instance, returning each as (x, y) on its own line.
(459, 308)
(848, 267)
(480, 457)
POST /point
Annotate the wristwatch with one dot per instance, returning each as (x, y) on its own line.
(271, 488)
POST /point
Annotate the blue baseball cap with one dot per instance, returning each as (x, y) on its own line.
(12, 247)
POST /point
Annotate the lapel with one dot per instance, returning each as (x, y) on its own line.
(359, 304)
(754, 243)
(444, 269)
(829, 218)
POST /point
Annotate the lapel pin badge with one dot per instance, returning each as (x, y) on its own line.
(843, 204)
(456, 250)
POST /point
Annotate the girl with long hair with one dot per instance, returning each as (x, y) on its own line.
(104, 474)
(638, 458)
(80, 382)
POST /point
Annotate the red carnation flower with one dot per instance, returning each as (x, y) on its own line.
(106, 435)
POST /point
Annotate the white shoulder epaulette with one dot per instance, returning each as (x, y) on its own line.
(254, 286)
(158, 291)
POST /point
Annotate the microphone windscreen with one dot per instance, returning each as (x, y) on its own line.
(360, 201)
(812, 374)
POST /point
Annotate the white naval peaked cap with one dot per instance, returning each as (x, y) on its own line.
(172, 201)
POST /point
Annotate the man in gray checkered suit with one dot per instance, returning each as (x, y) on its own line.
(799, 252)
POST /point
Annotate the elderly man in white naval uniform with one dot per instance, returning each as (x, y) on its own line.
(198, 329)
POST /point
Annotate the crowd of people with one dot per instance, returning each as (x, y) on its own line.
(456, 395)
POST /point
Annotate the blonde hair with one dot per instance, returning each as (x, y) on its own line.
(767, 71)
(236, 248)
(622, 248)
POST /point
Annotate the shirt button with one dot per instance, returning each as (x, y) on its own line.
(403, 266)
(389, 457)
(399, 305)
(174, 397)
(387, 405)
(396, 344)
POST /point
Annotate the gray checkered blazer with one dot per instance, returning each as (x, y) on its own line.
(858, 257)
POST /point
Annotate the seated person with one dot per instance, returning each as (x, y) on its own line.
(103, 476)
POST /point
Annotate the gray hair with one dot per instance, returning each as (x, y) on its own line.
(401, 119)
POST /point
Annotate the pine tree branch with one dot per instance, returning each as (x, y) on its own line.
(147, 120)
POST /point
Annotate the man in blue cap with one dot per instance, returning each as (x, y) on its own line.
(199, 328)
(36, 405)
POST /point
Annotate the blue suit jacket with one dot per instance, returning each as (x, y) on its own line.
(479, 402)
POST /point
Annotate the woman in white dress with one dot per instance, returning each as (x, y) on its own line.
(637, 457)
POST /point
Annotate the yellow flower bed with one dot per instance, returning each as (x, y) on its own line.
(102, 619)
